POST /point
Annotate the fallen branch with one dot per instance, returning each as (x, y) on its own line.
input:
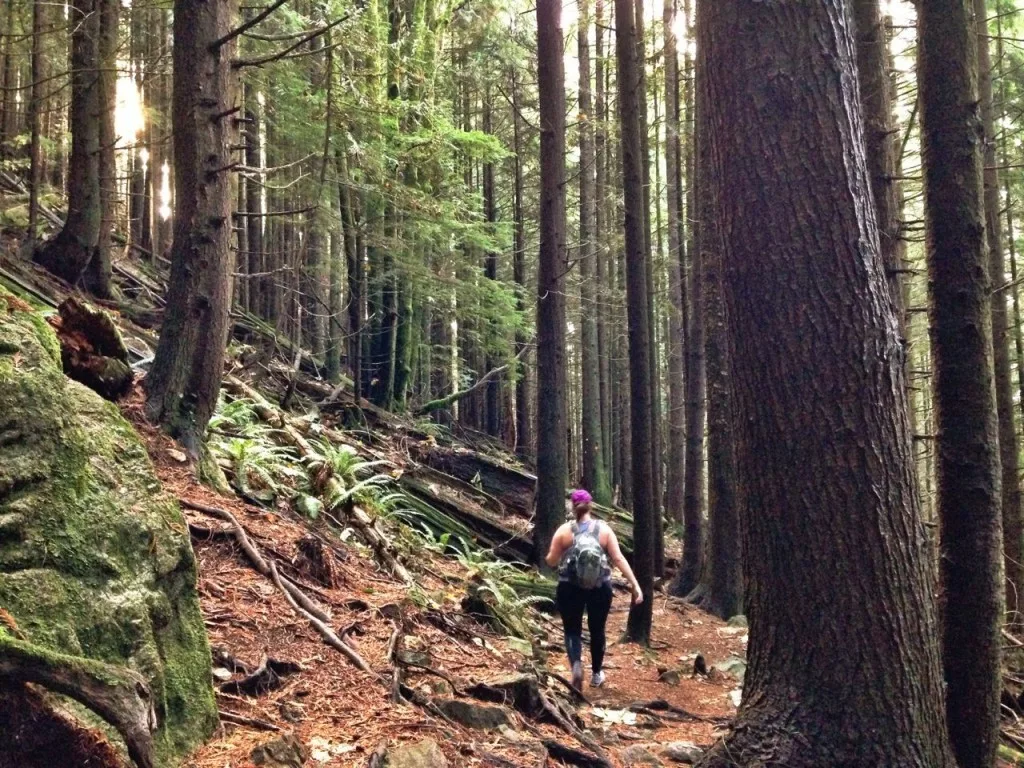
(567, 754)
(325, 632)
(256, 558)
(454, 397)
(252, 722)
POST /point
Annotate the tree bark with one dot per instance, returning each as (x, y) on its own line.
(595, 477)
(645, 505)
(844, 666)
(968, 472)
(689, 573)
(675, 485)
(184, 382)
(552, 468)
(524, 429)
(98, 273)
(1013, 521)
(68, 254)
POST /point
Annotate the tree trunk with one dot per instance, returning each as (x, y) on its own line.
(69, 252)
(675, 489)
(524, 429)
(645, 506)
(965, 399)
(595, 478)
(844, 666)
(601, 247)
(1013, 522)
(39, 12)
(552, 468)
(689, 573)
(184, 382)
(98, 273)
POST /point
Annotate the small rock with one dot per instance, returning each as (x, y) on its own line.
(285, 752)
(668, 676)
(473, 715)
(180, 456)
(738, 620)
(222, 675)
(292, 712)
(700, 666)
(639, 755)
(734, 666)
(682, 752)
(422, 754)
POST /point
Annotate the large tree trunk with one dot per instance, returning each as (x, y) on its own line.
(594, 475)
(98, 273)
(1013, 522)
(645, 506)
(551, 368)
(720, 590)
(844, 666)
(184, 382)
(965, 404)
(69, 252)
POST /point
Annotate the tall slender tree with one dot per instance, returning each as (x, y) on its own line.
(1013, 519)
(69, 252)
(645, 506)
(844, 665)
(594, 475)
(551, 268)
(968, 471)
(184, 381)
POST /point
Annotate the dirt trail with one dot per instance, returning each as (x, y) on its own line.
(344, 715)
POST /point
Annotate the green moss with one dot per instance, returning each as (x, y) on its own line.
(95, 560)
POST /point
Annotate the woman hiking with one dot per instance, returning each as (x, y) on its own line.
(582, 550)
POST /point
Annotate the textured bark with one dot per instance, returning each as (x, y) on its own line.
(552, 468)
(184, 382)
(644, 502)
(675, 488)
(69, 252)
(595, 477)
(524, 428)
(492, 421)
(689, 573)
(98, 273)
(601, 246)
(1013, 522)
(881, 136)
(720, 590)
(844, 666)
(35, 109)
(965, 404)
(258, 286)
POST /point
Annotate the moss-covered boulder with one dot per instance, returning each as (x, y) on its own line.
(95, 560)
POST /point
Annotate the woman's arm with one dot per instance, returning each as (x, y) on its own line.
(619, 561)
(558, 548)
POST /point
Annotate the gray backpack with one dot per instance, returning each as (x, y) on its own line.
(586, 564)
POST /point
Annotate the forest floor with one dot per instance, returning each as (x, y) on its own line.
(344, 716)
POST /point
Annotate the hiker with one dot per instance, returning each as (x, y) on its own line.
(582, 551)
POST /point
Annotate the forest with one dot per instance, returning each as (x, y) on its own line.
(320, 320)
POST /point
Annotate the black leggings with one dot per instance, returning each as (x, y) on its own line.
(571, 602)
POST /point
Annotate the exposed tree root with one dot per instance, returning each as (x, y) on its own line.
(118, 695)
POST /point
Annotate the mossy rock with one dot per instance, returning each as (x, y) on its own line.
(95, 560)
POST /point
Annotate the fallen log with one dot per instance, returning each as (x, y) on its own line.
(454, 397)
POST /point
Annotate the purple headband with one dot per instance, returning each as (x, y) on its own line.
(580, 497)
